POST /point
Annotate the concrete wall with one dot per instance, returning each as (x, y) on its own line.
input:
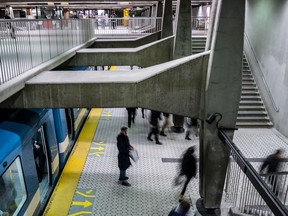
(161, 87)
(124, 43)
(266, 46)
(151, 54)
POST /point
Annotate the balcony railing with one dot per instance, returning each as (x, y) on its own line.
(127, 26)
(24, 44)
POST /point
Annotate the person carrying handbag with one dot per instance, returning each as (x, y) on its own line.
(124, 147)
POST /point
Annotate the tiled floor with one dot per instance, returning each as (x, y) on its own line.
(152, 191)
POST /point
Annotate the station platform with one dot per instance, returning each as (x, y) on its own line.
(89, 182)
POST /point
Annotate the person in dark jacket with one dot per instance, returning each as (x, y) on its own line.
(155, 116)
(123, 145)
(272, 164)
(9, 25)
(131, 115)
(188, 168)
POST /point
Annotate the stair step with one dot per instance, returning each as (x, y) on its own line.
(249, 83)
(252, 103)
(247, 92)
(250, 88)
(247, 78)
(252, 119)
(254, 124)
(251, 108)
(250, 97)
(252, 112)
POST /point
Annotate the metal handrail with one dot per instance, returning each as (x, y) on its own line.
(259, 185)
(25, 44)
(127, 25)
(262, 75)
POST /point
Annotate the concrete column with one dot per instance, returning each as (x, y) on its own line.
(167, 22)
(182, 45)
(160, 9)
(183, 36)
(211, 24)
(222, 95)
(154, 11)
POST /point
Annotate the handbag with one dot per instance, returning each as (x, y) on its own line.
(133, 154)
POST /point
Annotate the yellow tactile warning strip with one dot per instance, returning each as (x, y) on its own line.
(63, 193)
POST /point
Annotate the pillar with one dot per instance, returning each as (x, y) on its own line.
(222, 95)
(182, 45)
(167, 22)
(211, 24)
(160, 9)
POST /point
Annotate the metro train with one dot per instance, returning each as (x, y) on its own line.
(34, 147)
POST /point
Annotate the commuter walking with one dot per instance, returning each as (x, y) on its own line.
(188, 169)
(165, 124)
(131, 115)
(143, 112)
(192, 127)
(154, 127)
(9, 25)
(113, 20)
(271, 165)
(123, 145)
(182, 209)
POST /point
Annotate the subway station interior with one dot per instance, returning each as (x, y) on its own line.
(77, 75)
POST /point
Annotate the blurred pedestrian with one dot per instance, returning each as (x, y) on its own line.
(271, 165)
(192, 128)
(154, 126)
(166, 123)
(143, 112)
(113, 20)
(9, 25)
(188, 168)
(123, 145)
(131, 115)
(182, 209)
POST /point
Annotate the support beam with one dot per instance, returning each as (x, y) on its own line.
(153, 88)
(167, 22)
(222, 95)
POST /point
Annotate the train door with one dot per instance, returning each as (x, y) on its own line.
(70, 123)
(41, 162)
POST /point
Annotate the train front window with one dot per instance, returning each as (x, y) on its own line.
(12, 189)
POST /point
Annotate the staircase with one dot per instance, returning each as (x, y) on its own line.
(198, 44)
(252, 112)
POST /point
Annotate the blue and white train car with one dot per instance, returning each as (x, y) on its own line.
(29, 166)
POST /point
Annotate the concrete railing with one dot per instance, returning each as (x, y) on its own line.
(26, 44)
